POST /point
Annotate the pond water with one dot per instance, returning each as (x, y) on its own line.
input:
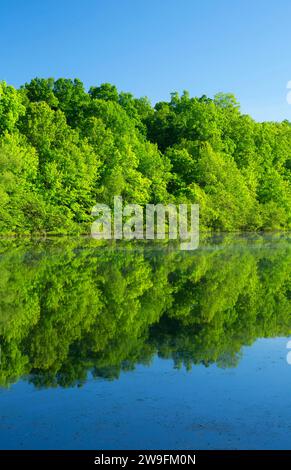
(144, 346)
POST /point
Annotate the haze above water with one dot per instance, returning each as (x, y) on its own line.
(139, 345)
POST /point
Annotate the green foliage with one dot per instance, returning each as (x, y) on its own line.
(69, 306)
(11, 107)
(63, 149)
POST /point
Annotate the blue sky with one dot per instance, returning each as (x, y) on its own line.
(154, 47)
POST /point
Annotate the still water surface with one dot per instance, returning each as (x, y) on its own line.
(144, 346)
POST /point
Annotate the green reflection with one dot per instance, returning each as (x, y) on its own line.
(70, 306)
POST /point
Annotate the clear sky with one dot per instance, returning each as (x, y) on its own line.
(154, 47)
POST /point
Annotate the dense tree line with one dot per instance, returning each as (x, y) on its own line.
(62, 149)
(68, 307)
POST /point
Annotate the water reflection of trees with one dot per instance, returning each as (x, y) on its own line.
(68, 307)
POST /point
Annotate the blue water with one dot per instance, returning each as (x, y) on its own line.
(158, 407)
(145, 347)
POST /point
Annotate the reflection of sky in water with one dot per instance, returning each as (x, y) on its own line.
(72, 314)
(160, 407)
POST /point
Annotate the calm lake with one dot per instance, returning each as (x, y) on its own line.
(144, 346)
